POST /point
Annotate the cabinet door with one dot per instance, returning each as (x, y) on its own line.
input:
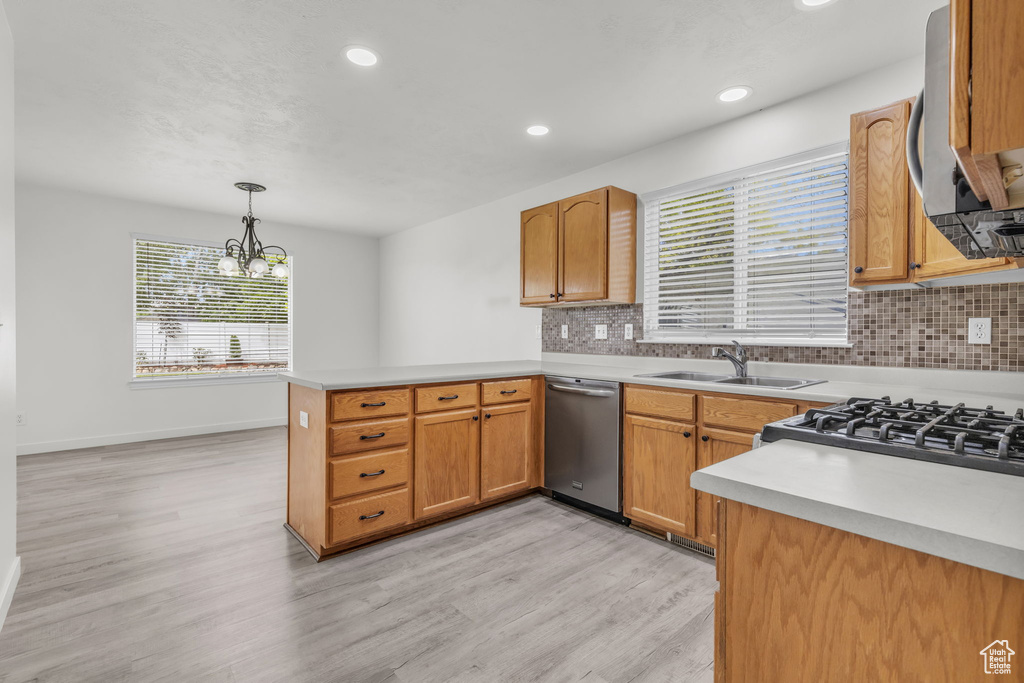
(715, 445)
(879, 195)
(935, 256)
(505, 450)
(538, 255)
(446, 462)
(583, 230)
(658, 458)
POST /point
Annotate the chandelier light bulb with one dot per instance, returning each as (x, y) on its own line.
(279, 270)
(259, 266)
(227, 264)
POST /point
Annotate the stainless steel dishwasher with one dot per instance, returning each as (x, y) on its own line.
(583, 444)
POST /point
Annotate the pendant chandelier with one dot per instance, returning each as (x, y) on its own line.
(248, 255)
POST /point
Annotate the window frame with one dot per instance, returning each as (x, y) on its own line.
(649, 258)
(205, 378)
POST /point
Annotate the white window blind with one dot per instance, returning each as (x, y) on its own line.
(192, 321)
(759, 255)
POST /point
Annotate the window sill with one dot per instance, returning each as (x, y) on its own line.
(807, 343)
(202, 381)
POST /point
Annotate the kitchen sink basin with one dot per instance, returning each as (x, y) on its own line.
(775, 382)
(687, 376)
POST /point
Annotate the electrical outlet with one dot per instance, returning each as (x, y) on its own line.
(979, 330)
(565, 331)
(627, 331)
(537, 332)
(304, 419)
(20, 419)
(600, 331)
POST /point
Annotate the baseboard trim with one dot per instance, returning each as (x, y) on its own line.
(132, 437)
(7, 590)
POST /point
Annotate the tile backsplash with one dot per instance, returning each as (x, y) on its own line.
(925, 328)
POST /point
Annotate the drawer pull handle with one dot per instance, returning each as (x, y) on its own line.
(373, 405)
(362, 517)
(364, 437)
(371, 474)
(509, 392)
(448, 398)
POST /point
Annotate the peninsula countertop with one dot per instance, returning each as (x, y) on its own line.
(891, 499)
(931, 385)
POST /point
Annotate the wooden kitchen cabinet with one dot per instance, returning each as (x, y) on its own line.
(891, 239)
(506, 450)
(580, 249)
(657, 460)
(986, 97)
(446, 475)
(715, 445)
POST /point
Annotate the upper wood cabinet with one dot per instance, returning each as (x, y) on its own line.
(891, 239)
(986, 96)
(580, 249)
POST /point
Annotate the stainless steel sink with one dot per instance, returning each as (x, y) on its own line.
(687, 376)
(775, 382)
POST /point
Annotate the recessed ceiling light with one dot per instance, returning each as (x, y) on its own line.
(363, 56)
(813, 4)
(537, 130)
(735, 93)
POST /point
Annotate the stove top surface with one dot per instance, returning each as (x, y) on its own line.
(981, 438)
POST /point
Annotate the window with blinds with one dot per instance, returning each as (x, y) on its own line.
(192, 321)
(758, 255)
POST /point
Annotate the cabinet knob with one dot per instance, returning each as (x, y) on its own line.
(552, 295)
(475, 418)
(704, 438)
(915, 266)
(858, 269)
(686, 435)
(560, 294)
(488, 416)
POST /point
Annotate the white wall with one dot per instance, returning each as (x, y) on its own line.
(9, 564)
(449, 288)
(75, 275)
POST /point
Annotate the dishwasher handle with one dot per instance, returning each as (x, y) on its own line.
(569, 389)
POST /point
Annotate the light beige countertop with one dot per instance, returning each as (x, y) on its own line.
(1002, 390)
(958, 513)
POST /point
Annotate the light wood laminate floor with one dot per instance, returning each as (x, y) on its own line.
(167, 561)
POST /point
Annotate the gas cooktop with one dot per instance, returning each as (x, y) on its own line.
(981, 438)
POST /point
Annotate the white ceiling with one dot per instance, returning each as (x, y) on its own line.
(172, 102)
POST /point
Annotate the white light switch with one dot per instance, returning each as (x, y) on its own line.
(304, 419)
(537, 332)
(600, 331)
(565, 331)
(627, 331)
(979, 330)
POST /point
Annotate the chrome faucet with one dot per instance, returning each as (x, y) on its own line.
(739, 360)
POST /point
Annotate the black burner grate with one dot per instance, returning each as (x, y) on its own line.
(954, 434)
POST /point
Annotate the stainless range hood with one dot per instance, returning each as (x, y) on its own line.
(971, 225)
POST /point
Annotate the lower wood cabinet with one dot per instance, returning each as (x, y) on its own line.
(715, 445)
(658, 458)
(369, 515)
(505, 450)
(447, 475)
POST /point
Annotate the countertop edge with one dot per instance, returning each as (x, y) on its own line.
(970, 551)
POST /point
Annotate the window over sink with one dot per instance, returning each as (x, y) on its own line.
(758, 255)
(191, 322)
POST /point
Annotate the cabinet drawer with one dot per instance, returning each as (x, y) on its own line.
(365, 405)
(365, 473)
(364, 516)
(745, 414)
(368, 436)
(506, 391)
(429, 399)
(667, 403)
